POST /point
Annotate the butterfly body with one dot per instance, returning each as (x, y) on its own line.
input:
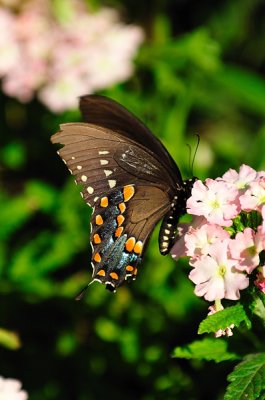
(130, 181)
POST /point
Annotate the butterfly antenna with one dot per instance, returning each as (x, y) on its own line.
(190, 166)
(81, 294)
(195, 152)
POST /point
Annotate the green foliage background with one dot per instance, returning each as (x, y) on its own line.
(199, 71)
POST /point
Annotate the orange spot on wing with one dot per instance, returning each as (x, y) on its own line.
(99, 220)
(129, 268)
(101, 272)
(113, 275)
(97, 257)
(96, 238)
(104, 202)
(118, 231)
(129, 245)
(138, 247)
(128, 192)
(135, 271)
(122, 207)
(120, 219)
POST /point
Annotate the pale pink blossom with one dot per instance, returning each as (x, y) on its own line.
(240, 179)
(198, 241)
(24, 78)
(215, 275)
(179, 249)
(63, 93)
(246, 248)
(9, 49)
(10, 389)
(213, 200)
(254, 198)
(260, 175)
(263, 219)
(51, 55)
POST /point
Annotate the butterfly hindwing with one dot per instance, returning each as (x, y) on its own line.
(120, 234)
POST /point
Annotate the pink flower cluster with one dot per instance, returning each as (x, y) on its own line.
(63, 53)
(227, 235)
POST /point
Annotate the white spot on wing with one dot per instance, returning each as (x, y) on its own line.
(95, 199)
(79, 167)
(167, 231)
(90, 189)
(103, 152)
(112, 183)
(104, 162)
(73, 158)
(108, 172)
(84, 178)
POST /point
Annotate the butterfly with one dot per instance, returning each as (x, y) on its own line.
(130, 181)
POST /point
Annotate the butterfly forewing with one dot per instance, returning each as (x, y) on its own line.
(105, 112)
(102, 160)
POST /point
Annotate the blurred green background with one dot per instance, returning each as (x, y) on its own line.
(200, 70)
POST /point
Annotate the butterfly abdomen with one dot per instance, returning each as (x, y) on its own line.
(167, 233)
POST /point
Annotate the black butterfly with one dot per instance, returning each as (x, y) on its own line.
(130, 181)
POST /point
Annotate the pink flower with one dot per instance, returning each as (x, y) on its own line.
(62, 94)
(198, 241)
(239, 180)
(10, 389)
(24, 78)
(215, 275)
(179, 249)
(9, 49)
(254, 198)
(263, 220)
(214, 200)
(52, 55)
(246, 248)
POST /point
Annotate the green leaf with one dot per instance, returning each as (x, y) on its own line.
(9, 339)
(247, 379)
(209, 349)
(223, 319)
